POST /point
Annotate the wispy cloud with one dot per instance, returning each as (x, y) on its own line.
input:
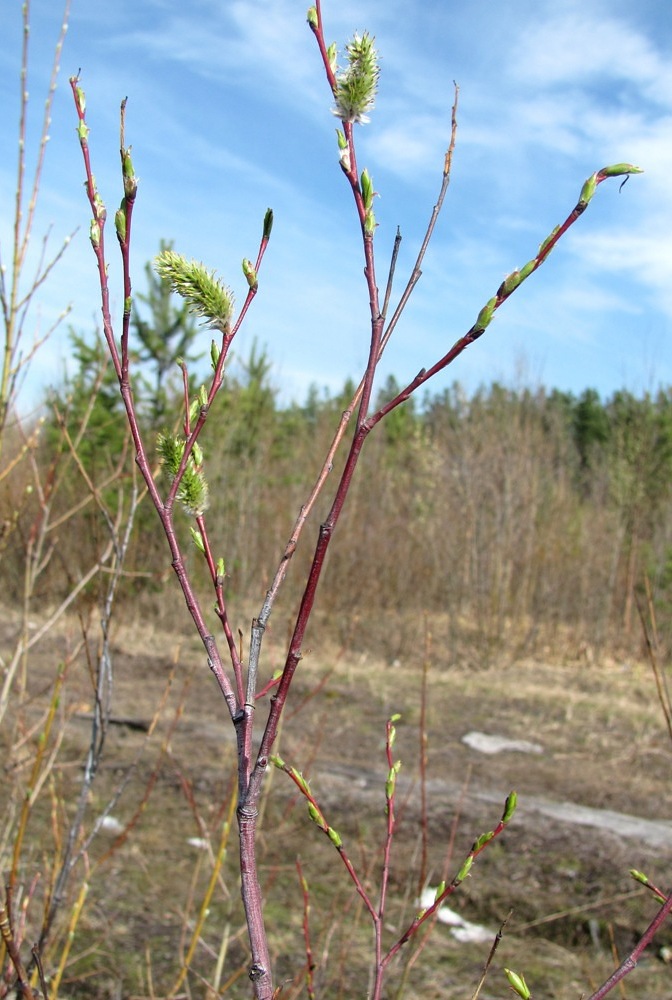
(229, 112)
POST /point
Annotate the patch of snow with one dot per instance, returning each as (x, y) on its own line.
(200, 843)
(485, 743)
(111, 825)
(462, 930)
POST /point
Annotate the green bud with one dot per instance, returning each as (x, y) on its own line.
(250, 274)
(370, 223)
(618, 169)
(518, 984)
(221, 573)
(391, 782)
(194, 409)
(94, 234)
(197, 539)
(548, 240)
(526, 271)
(510, 283)
(214, 354)
(465, 869)
(300, 780)
(588, 190)
(203, 396)
(83, 131)
(311, 17)
(197, 454)
(99, 205)
(367, 189)
(481, 841)
(81, 99)
(440, 889)
(334, 837)
(277, 761)
(120, 222)
(486, 314)
(639, 876)
(342, 141)
(128, 173)
(332, 56)
(268, 223)
(510, 806)
(315, 815)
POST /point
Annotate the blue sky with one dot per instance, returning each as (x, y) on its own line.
(229, 113)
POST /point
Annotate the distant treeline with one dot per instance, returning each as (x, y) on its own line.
(538, 508)
(502, 506)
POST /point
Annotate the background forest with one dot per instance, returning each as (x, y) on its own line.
(515, 512)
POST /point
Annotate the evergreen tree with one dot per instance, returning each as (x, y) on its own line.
(166, 335)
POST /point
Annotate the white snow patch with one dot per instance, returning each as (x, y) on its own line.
(485, 743)
(111, 825)
(462, 930)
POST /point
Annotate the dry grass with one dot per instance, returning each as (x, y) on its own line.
(604, 746)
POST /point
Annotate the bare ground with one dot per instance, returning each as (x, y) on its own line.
(594, 803)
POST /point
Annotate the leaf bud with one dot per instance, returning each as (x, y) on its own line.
(128, 173)
(367, 189)
(197, 454)
(549, 239)
(486, 314)
(311, 17)
(588, 190)
(94, 233)
(197, 539)
(250, 274)
(510, 806)
(334, 837)
(268, 223)
(120, 223)
(81, 99)
(315, 814)
(465, 869)
(518, 984)
(481, 841)
(618, 169)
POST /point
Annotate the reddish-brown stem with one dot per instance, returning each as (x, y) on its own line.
(319, 36)
(324, 826)
(476, 330)
(310, 964)
(422, 761)
(421, 918)
(385, 873)
(633, 958)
